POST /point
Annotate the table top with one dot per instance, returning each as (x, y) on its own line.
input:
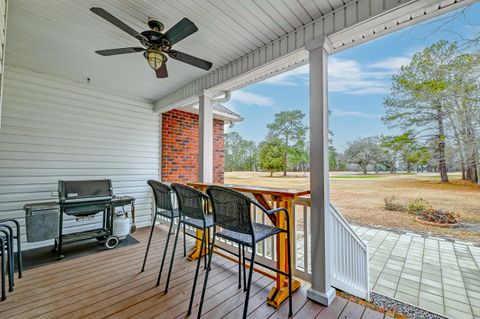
(273, 191)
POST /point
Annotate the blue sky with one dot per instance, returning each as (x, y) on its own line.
(359, 79)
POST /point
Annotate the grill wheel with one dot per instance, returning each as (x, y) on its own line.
(111, 242)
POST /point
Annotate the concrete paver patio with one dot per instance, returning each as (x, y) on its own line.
(436, 274)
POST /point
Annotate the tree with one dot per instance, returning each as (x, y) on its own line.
(332, 151)
(342, 162)
(271, 155)
(232, 141)
(250, 155)
(363, 152)
(464, 119)
(289, 129)
(300, 156)
(417, 100)
(392, 148)
(240, 154)
(332, 158)
(414, 155)
(403, 148)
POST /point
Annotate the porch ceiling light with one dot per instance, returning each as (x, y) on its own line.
(155, 58)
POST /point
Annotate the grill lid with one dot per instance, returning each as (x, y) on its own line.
(73, 191)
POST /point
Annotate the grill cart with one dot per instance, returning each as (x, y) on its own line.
(82, 200)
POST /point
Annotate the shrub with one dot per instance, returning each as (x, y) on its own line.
(439, 216)
(417, 206)
(392, 204)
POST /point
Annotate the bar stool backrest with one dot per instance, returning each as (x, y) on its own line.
(163, 196)
(191, 202)
(231, 209)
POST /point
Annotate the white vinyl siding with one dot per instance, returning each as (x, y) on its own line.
(3, 36)
(55, 129)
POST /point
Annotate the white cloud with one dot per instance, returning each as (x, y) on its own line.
(251, 98)
(349, 76)
(371, 90)
(393, 63)
(292, 77)
(340, 113)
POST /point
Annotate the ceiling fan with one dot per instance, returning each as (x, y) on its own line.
(156, 45)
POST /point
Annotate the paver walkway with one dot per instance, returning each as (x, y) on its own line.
(436, 274)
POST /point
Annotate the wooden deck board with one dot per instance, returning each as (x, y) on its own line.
(309, 310)
(372, 314)
(352, 311)
(109, 285)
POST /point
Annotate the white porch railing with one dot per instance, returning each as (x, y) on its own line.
(349, 260)
(349, 257)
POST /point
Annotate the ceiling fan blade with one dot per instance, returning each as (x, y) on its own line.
(109, 52)
(180, 31)
(162, 72)
(189, 59)
(116, 22)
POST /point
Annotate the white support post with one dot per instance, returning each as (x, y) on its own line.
(321, 290)
(205, 138)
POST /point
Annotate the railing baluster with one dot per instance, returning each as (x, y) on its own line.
(305, 239)
(263, 241)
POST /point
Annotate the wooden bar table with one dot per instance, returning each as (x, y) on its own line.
(282, 198)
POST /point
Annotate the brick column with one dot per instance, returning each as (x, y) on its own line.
(180, 147)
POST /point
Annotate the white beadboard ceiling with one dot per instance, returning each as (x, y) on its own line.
(59, 37)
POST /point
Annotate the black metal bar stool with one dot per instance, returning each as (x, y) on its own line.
(7, 242)
(163, 207)
(6, 252)
(3, 244)
(193, 206)
(232, 212)
(16, 236)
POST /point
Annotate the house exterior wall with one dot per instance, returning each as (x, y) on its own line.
(54, 129)
(3, 36)
(180, 147)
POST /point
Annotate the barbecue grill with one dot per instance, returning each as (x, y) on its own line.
(80, 199)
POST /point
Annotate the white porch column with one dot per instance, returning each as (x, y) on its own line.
(205, 138)
(321, 290)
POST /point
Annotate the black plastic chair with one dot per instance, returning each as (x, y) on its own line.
(193, 206)
(232, 212)
(163, 207)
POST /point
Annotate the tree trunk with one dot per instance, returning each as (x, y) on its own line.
(442, 162)
(364, 170)
(473, 141)
(271, 173)
(285, 162)
(460, 145)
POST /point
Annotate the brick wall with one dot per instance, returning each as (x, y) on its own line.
(180, 147)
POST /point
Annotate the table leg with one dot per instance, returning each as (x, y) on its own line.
(195, 252)
(279, 292)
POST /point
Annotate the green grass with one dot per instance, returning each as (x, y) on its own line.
(357, 176)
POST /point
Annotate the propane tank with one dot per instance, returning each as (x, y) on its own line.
(121, 225)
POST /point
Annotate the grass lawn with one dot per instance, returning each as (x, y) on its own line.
(357, 176)
(360, 198)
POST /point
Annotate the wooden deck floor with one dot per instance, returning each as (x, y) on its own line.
(109, 284)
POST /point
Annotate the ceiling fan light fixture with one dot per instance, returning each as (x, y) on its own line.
(155, 58)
